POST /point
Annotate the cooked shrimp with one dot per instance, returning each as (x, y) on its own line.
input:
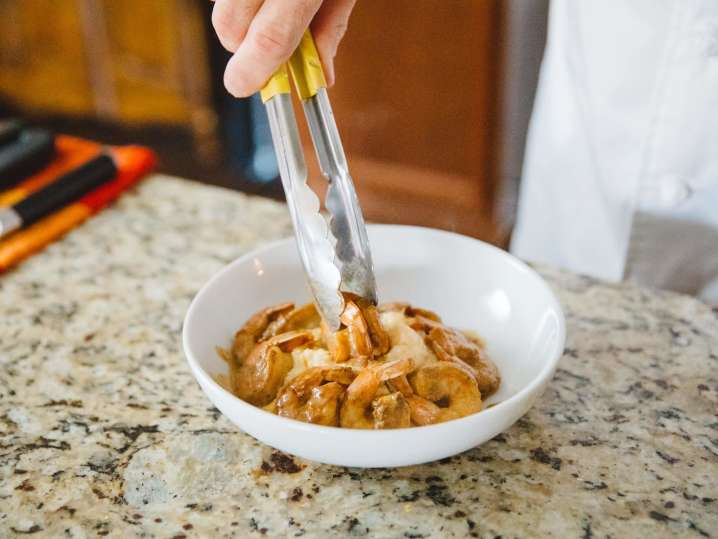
(391, 412)
(359, 338)
(378, 336)
(401, 384)
(451, 389)
(356, 410)
(322, 407)
(337, 342)
(467, 353)
(362, 334)
(422, 411)
(342, 375)
(258, 376)
(304, 317)
(256, 329)
(302, 384)
(288, 361)
(314, 395)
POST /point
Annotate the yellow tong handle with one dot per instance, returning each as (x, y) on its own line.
(307, 72)
(277, 84)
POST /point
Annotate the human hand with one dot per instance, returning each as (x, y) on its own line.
(262, 34)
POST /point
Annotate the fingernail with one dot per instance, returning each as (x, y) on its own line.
(330, 74)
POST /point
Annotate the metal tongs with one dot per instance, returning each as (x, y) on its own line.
(335, 255)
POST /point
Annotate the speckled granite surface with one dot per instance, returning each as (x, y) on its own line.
(104, 432)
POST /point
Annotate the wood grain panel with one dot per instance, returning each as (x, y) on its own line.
(415, 83)
(382, 192)
(42, 63)
(416, 104)
(144, 54)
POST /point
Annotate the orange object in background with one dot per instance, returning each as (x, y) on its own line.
(133, 162)
(70, 153)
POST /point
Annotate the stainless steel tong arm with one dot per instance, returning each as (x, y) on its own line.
(336, 257)
(346, 221)
(315, 246)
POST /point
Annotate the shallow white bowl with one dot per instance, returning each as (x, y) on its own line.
(471, 284)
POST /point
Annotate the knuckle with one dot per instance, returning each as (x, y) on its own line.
(340, 29)
(228, 40)
(227, 26)
(221, 20)
(273, 40)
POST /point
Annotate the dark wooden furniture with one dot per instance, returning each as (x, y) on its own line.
(416, 98)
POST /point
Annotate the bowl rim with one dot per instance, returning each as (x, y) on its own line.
(497, 409)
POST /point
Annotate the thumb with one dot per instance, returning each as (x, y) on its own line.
(328, 28)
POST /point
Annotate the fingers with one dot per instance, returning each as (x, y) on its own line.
(270, 39)
(231, 19)
(328, 28)
(264, 33)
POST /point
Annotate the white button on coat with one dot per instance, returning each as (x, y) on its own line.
(665, 192)
(621, 167)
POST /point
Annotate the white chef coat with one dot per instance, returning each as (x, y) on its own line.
(620, 177)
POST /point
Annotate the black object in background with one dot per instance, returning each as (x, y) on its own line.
(66, 189)
(23, 151)
(9, 131)
(246, 138)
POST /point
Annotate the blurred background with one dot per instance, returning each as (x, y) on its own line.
(432, 99)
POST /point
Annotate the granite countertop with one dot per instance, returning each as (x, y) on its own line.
(104, 432)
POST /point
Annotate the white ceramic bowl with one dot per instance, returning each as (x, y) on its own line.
(471, 284)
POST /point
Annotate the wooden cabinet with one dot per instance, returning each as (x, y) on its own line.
(416, 100)
(42, 56)
(129, 61)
